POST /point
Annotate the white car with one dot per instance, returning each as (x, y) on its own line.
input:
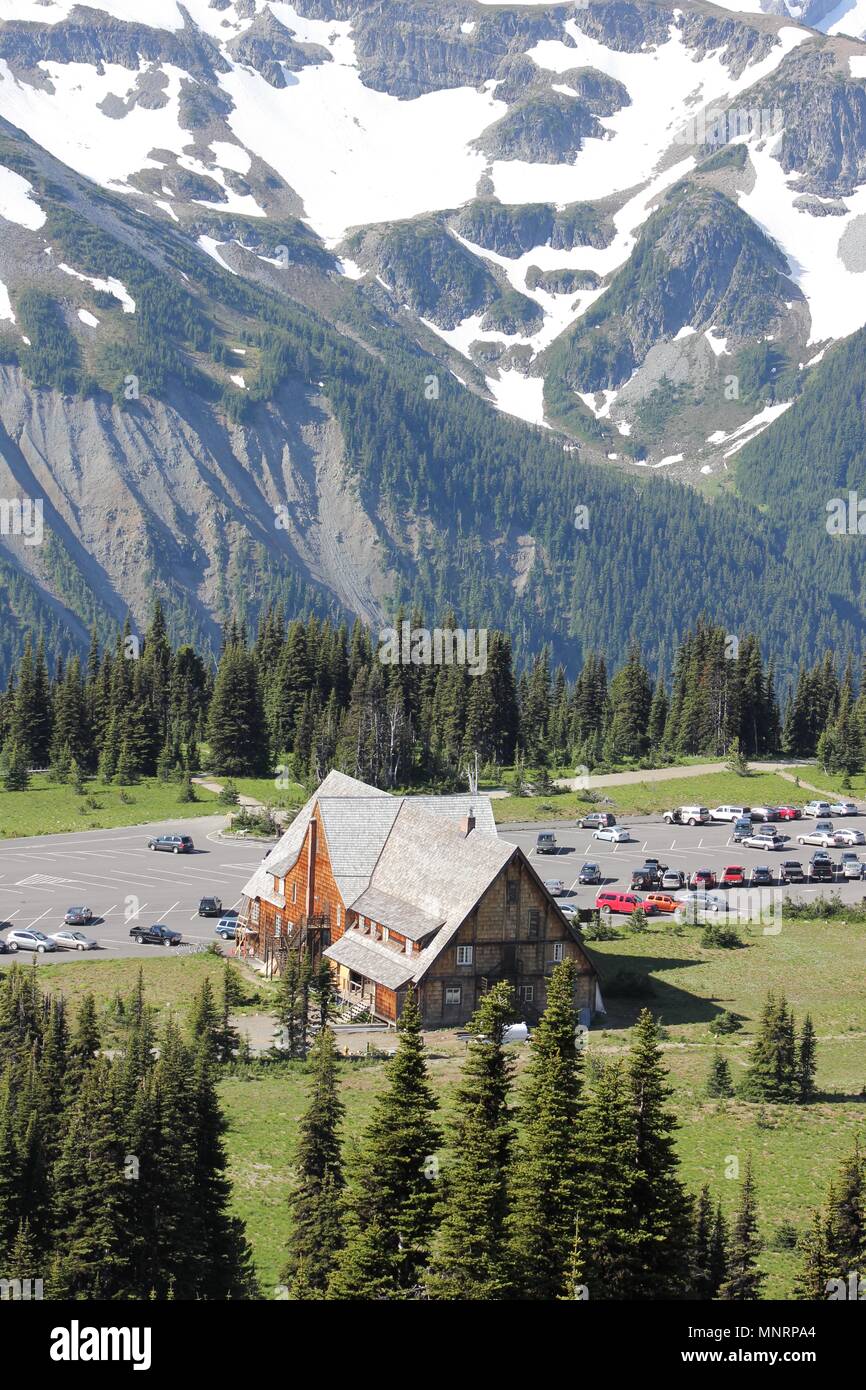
(851, 865)
(773, 841)
(850, 836)
(554, 886)
(728, 812)
(73, 941)
(824, 838)
(619, 834)
(844, 808)
(816, 808)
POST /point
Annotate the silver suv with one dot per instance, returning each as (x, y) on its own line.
(22, 940)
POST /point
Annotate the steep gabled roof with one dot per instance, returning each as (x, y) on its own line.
(357, 820)
(284, 855)
(430, 866)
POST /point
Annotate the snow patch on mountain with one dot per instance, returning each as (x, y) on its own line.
(17, 201)
(836, 295)
(374, 158)
(109, 286)
(6, 311)
(666, 86)
(519, 395)
(87, 318)
(70, 124)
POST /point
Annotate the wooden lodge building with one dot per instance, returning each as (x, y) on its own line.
(414, 891)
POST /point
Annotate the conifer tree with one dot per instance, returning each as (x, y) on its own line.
(816, 1264)
(661, 1208)
(471, 1256)
(393, 1188)
(719, 1081)
(546, 1173)
(773, 1067)
(806, 1062)
(743, 1281)
(316, 1237)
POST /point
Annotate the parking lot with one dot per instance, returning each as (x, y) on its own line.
(681, 847)
(122, 881)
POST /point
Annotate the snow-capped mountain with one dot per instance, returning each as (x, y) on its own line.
(641, 226)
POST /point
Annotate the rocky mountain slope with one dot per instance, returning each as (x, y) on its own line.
(639, 226)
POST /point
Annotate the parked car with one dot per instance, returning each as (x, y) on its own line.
(816, 808)
(723, 813)
(648, 875)
(695, 902)
(612, 901)
(688, 815)
(597, 820)
(210, 907)
(589, 873)
(29, 940)
(673, 878)
(851, 865)
(848, 835)
(770, 833)
(3, 947)
(761, 876)
(789, 813)
(554, 886)
(824, 838)
(155, 935)
(821, 868)
(843, 808)
(78, 917)
(791, 871)
(741, 829)
(227, 928)
(765, 813)
(734, 876)
(174, 844)
(762, 840)
(703, 878)
(824, 825)
(545, 842)
(618, 834)
(73, 941)
(662, 902)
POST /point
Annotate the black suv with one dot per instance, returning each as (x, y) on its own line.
(156, 935)
(175, 844)
(598, 820)
(210, 907)
(589, 873)
(822, 869)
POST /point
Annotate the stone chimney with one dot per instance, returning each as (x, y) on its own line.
(311, 866)
(467, 825)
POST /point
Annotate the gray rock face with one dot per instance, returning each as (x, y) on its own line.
(170, 490)
(268, 47)
(544, 129)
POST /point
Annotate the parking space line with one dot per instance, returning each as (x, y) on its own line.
(37, 919)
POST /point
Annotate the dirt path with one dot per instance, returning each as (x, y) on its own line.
(217, 787)
(663, 774)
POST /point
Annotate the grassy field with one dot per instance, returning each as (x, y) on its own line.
(171, 982)
(820, 967)
(265, 790)
(635, 798)
(47, 808)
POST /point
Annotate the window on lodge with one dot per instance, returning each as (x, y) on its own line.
(453, 995)
(533, 922)
(511, 892)
(294, 892)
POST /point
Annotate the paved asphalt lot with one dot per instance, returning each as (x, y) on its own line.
(116, 875)
(681, 847)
